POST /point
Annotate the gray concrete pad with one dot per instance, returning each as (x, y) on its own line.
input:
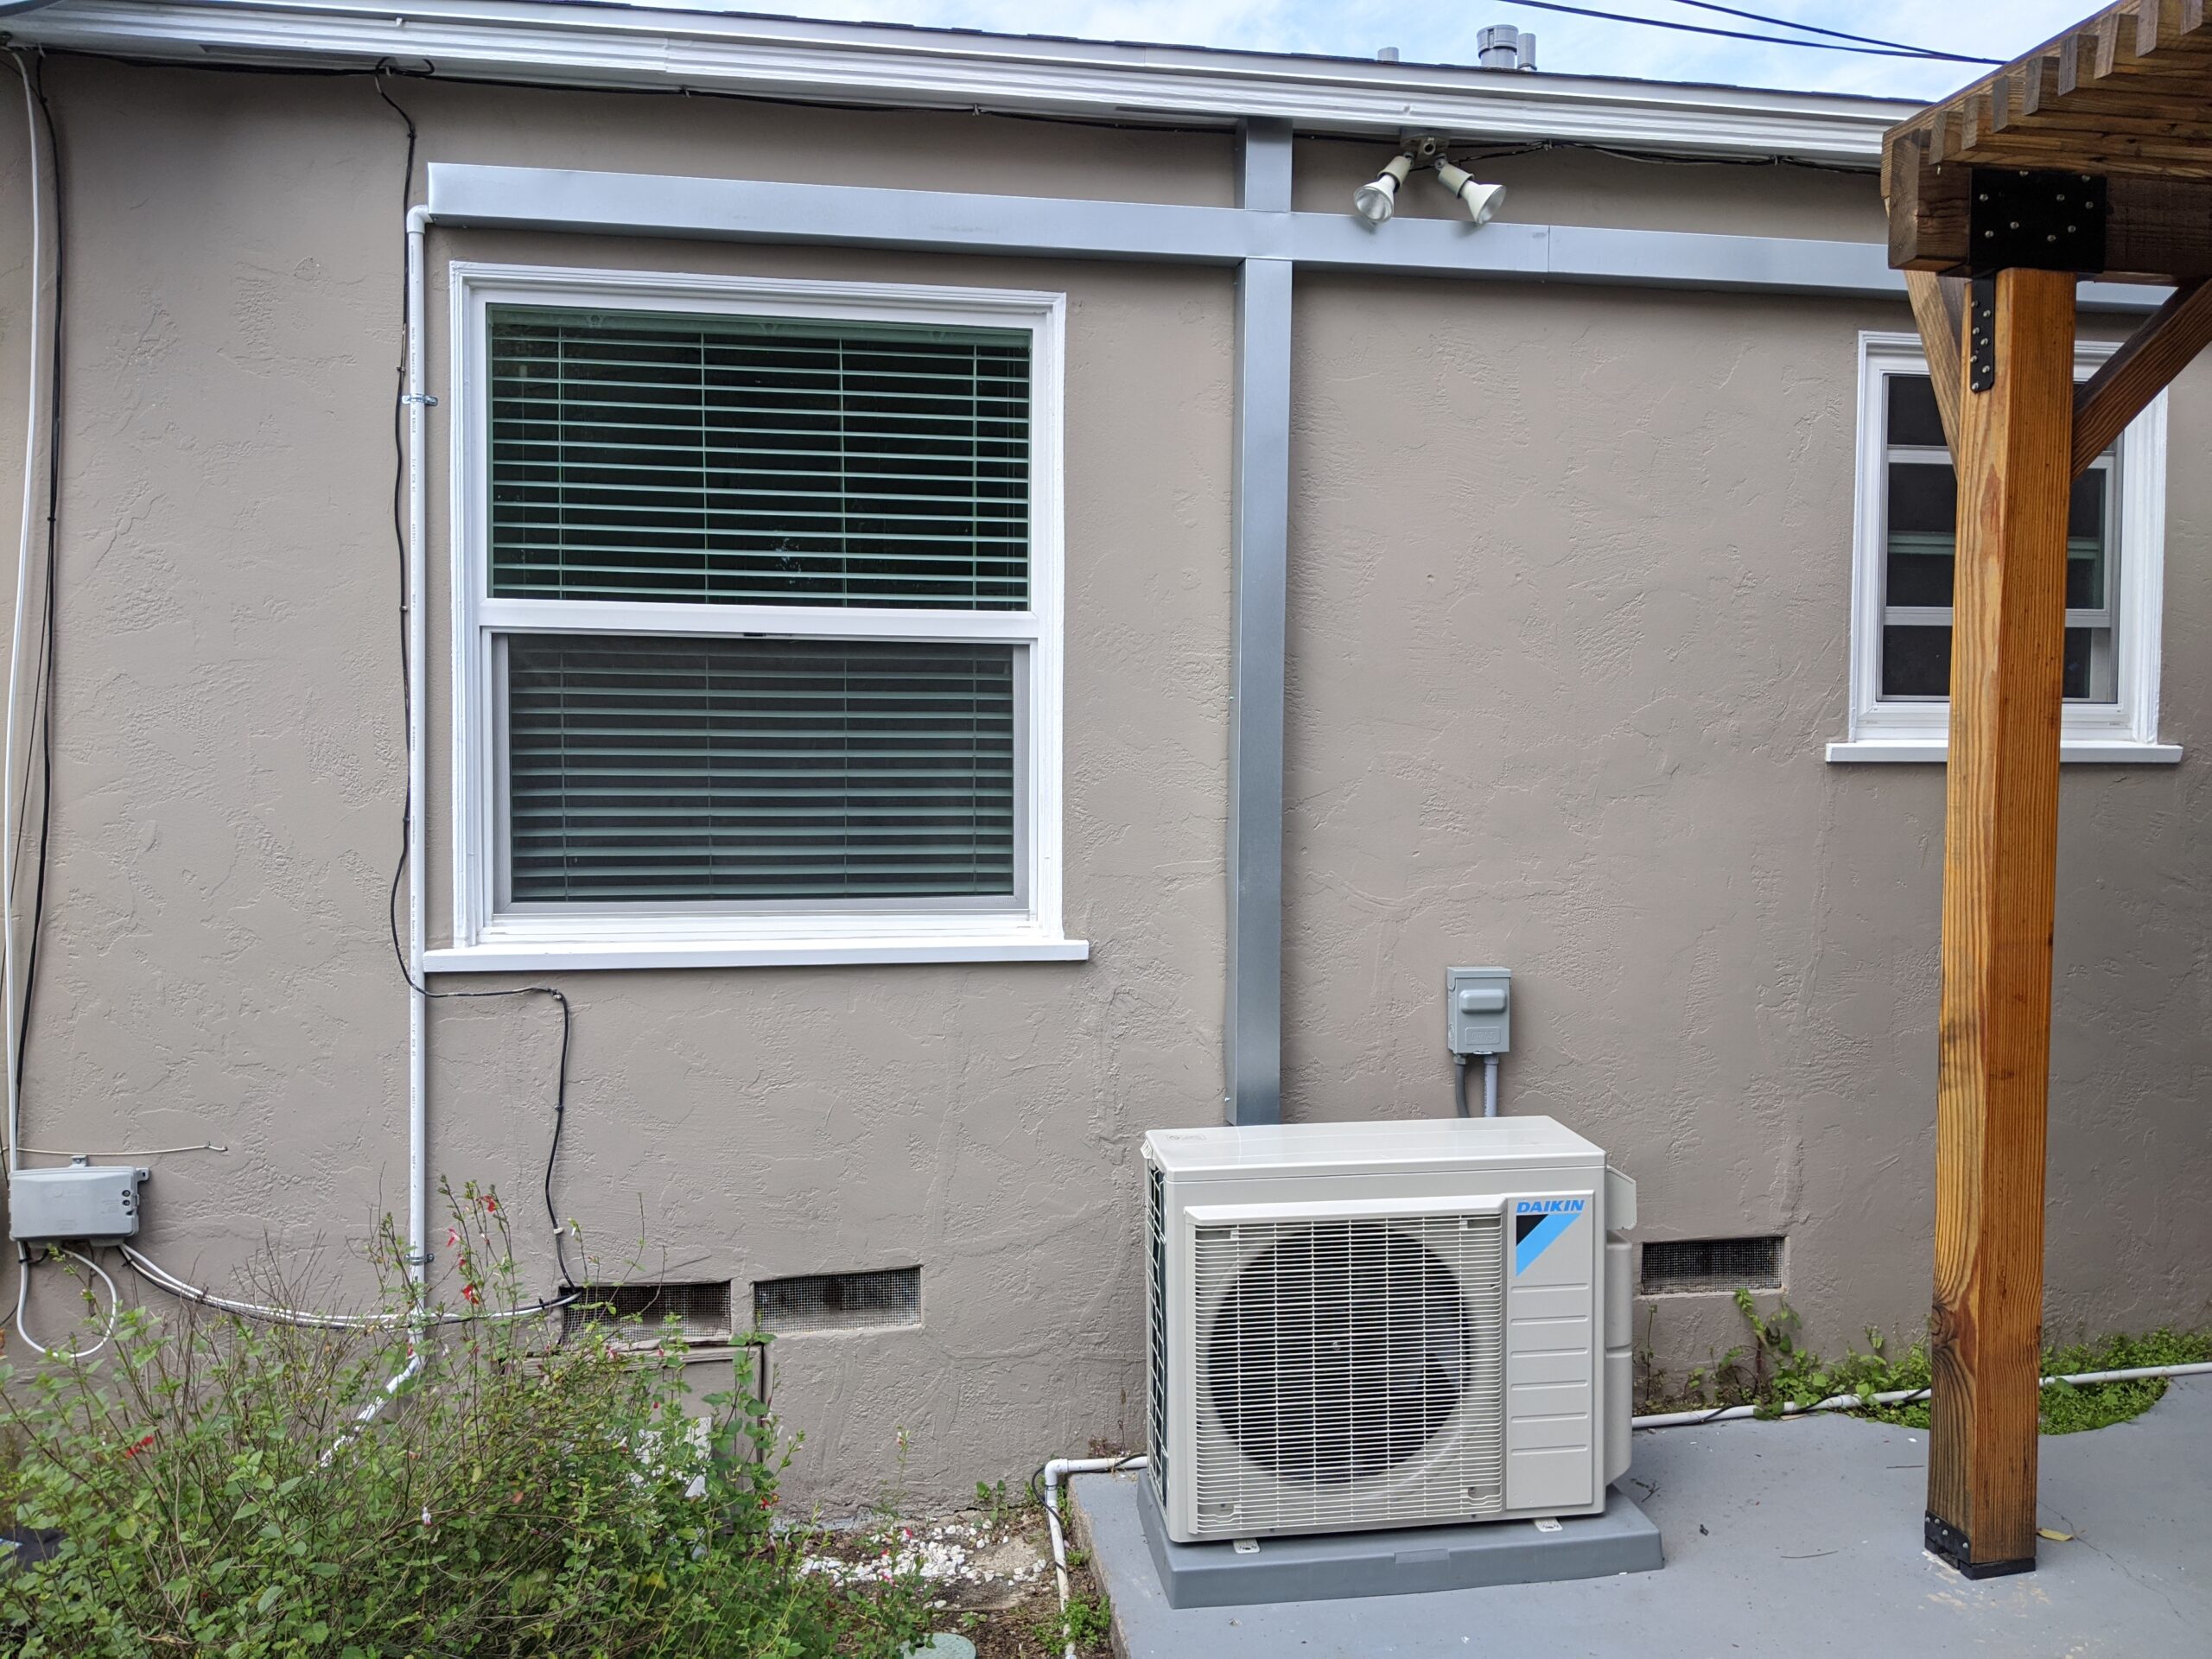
(1796, 1538)
(1405, 1561)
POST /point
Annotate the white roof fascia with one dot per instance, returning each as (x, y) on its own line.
(613, 45)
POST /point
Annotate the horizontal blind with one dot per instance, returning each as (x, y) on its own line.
(756, 461)
(676, 770)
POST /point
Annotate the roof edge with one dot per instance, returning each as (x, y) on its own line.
(589, 45)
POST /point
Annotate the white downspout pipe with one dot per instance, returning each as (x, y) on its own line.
(1055, 1472)
(418, 1121)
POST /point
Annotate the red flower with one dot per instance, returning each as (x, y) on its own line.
(491, 1205)
(145, 1445)
(453, 1238)
(468, 1294)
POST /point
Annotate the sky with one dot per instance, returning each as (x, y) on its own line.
(1565, 45)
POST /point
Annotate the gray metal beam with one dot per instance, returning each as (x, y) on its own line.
(752, 210)
(1252, 1027)
(630, 204)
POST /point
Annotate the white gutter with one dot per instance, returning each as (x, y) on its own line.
(634, 46)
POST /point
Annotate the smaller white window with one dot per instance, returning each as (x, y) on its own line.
(756, 622)
(1903, 551)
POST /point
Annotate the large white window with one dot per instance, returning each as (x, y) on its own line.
(757, 621)
(1905, 549)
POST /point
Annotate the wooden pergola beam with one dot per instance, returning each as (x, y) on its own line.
(2121, 98)
(2162, 345)
(1939, 305)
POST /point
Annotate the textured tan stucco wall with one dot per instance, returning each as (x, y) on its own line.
(1568, 625)
(1570, 573)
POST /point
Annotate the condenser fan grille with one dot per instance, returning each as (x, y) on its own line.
(1349, 1372)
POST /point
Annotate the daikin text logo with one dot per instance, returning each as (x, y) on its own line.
(1537, 1224)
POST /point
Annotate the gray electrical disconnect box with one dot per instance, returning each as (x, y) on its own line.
(1478, 1010)
(82, 1201)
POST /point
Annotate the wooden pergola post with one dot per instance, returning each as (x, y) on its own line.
(2090, 157)
(2015, 443)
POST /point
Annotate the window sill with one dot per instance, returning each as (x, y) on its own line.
(2072, 751)
(539, 957)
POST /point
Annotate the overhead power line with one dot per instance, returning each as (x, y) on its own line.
(1921, 52)
(1833, 33)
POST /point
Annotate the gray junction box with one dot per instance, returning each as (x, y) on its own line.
(82, 1201)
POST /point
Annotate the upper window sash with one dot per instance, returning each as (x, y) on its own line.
(696, 457)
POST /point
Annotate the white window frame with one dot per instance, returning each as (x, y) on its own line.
(2127, 730)
(488, 938)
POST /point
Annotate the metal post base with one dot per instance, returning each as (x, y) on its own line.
(1946, 1542)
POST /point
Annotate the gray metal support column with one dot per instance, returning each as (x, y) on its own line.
(1252, 1035)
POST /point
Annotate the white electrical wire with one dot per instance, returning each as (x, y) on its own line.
(23, 1295)
(161, 1279)
(16, 641)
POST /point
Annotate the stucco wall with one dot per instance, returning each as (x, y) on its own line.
(1570, 575)
(1568, 626)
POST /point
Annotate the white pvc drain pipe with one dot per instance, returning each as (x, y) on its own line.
(1055, 1471)
(1894, 1397)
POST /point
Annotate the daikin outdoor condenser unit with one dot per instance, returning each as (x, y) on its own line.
(1383, 1324)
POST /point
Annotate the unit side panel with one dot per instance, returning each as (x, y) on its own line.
(1553, 1339)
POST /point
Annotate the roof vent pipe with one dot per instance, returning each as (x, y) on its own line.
(1500, 46)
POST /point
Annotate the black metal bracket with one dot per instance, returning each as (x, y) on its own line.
(1950, 1544)
(2036, 219)
(1981, 333)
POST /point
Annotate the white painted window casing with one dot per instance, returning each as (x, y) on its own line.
(492, 933)
(2118, 720)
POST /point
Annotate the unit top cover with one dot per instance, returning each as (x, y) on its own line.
(1253, 1149)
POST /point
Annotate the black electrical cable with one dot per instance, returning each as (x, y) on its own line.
(43, 714)
(407, 713)
(1928, 53)
(1833, 33)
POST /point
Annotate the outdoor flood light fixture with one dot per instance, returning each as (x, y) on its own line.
(1482, 200)
(1375, 200)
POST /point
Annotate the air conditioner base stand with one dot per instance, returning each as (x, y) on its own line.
(1390, 1562)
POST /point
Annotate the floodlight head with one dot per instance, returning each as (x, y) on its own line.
(1374, 201)
(1482, 200)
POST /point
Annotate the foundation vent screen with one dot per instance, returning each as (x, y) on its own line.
(1712, 1264)
(839, 1301)
(700, 1310)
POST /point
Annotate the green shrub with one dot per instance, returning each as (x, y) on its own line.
(224, 1489)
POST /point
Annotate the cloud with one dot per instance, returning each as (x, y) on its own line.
(1358, 28)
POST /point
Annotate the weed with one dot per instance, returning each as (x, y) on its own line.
(990, 1498)
(1088, 1620)
(1775, 1370)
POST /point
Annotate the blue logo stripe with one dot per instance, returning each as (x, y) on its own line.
(1540, 1239)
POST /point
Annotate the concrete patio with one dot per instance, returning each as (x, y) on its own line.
(1790, 1538)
